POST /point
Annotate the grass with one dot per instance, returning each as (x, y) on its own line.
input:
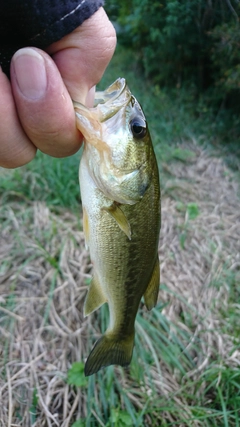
(185, 367)
(46, 179)
(171, 118)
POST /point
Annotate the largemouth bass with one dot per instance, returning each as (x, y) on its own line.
(120, 194)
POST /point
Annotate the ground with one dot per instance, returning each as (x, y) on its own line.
(184, 348)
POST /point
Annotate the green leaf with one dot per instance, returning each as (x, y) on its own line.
(79, 423)
(114, 415)
(121, 418)
(125, 418)
(182, 239)
(33, 408)
(35, 397)
(76, 375)
(193, 210)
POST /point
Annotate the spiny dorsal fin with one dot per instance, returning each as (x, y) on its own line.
(120, 219)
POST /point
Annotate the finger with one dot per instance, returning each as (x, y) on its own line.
(83, 58)
(16, 149)
(43, 103)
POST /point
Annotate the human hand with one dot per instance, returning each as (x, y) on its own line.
(36, 108)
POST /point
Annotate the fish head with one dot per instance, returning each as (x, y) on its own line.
(118, 145)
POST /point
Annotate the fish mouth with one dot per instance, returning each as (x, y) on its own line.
(111, 93)
(113, 99)
(106, 104)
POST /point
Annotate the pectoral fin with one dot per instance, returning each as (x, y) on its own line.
(151, 293)
(120, 219)
(95, 297)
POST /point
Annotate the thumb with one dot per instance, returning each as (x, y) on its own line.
(83, 55)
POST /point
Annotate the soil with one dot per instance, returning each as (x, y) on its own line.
(45, 270)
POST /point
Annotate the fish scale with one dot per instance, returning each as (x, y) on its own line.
(120, 195)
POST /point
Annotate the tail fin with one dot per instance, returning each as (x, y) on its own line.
(109, 350)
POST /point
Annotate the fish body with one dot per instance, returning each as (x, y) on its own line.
(121, 217)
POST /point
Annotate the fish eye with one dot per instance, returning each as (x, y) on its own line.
(138, 128)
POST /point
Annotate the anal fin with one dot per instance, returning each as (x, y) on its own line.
(95, 297)
(120, 219)
(151, 293)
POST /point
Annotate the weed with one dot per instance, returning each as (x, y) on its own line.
(185, 366)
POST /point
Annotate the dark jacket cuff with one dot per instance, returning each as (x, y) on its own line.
(39, 23)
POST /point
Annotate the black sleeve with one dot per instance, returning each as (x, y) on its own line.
(39, 23)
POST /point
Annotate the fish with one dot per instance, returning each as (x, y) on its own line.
(120, 194)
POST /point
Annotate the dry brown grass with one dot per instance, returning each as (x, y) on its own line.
(44, 270)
